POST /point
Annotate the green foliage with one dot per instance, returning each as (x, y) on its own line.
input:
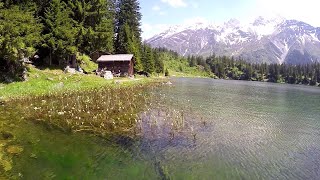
(128, 30)
(19, 34)
(60, 31)
(158, 63)
(96, 24)
(148, 60)
(71, 27)
(228, 68)
(179, 66)
(86, 64)
(129, 13)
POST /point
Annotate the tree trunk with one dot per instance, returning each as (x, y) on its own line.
(50, 60)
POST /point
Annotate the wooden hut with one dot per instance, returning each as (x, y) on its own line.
(119, 64)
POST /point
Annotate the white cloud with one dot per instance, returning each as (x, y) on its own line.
(195, 20)
(149, 30)
(176, 3)
(163, 13)
(156, 8)
(306, 10)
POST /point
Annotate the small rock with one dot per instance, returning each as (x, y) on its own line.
(169, 83)
(108, 75)
(14, 149)
(60, 113)
(69, 70)
(50, 79)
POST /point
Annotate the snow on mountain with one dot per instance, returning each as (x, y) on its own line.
(271, 40)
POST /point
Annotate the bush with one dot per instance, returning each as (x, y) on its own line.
(86, 64)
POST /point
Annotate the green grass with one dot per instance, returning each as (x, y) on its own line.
(46, 82)
(179, 67)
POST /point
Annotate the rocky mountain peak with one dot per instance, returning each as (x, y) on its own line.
(271, 40)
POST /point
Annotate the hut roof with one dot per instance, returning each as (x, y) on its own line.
(117, 57)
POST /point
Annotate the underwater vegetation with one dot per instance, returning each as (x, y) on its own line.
(119, 114)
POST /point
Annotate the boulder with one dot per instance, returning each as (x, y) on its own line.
(50, 79)
(108, 75)
(69, 70)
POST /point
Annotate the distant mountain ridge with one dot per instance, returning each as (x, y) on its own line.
(270, 40)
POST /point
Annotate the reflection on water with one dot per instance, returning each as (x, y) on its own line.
(195, 129)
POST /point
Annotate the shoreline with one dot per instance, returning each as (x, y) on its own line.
(53, 82)
(228, 79)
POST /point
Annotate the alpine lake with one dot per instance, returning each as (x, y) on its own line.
(193, 129)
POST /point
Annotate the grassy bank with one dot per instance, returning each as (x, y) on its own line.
(46, 82)
(180, 67)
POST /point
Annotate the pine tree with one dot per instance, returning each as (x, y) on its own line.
(148, 60)
(128, 30)
(60, 31)
(104, 34)
(19, 35)
(95, 21)
(158, 63)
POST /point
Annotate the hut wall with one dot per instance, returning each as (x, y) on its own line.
(124, 67)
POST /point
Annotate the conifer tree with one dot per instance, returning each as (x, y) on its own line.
(158, 63)
(95, 21)
(148, 60)
(60, 31)
(19, 35)
(128, 30)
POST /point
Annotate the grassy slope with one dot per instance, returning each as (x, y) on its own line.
(43, 82)
(180, 67)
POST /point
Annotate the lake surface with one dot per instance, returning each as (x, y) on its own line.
(193, 129)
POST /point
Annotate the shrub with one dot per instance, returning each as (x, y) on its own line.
(86, 64)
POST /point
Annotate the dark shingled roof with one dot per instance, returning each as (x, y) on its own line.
(116, 57)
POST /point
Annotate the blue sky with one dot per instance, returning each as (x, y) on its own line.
(158, 15)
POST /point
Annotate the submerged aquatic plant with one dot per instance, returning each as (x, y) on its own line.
(101, 111)
(133, 111)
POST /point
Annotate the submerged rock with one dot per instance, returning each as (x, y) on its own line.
(6, 135)
(34, 156)
(14, 149)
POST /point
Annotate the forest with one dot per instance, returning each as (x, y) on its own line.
(239, 69)
(54, 31)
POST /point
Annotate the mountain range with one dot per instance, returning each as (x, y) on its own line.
(269, 40)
